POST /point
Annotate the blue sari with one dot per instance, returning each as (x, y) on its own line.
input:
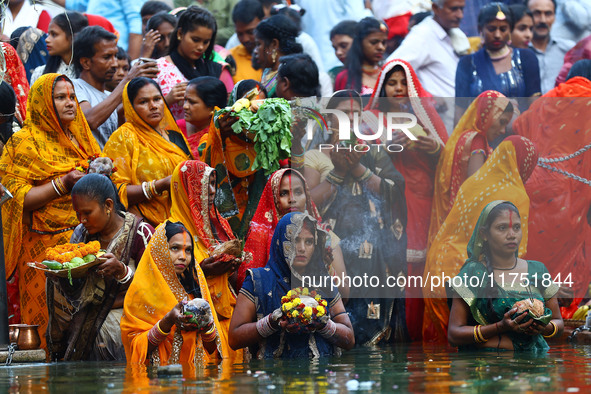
(265, 287)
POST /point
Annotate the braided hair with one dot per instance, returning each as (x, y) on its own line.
(282, 29)
(492, 291)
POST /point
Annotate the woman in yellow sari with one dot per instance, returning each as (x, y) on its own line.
(37, 167)
(193, 191)
(145, 151)
(466, 150)
(502, 177)
(153, 328)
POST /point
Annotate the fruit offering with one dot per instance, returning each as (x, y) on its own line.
(74, 254)
(304, 307)
(201, 311)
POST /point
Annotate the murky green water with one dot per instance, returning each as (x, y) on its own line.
(401, 368)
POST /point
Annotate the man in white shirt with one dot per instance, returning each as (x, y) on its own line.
(432, 49)
(549, 51)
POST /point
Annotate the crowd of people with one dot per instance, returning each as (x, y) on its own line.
(490, 182)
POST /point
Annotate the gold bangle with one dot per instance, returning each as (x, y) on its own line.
(160, 330)
(482, 338)
(476, 335)
(211, 330)
(436, 149)
(553, 331)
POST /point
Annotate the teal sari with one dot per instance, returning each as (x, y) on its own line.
(504, 294)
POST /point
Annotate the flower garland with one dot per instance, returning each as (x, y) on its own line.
(303, 306)
(66, 252)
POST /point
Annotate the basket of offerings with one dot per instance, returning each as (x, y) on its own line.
(535, 309)
(303, 307)
(201, 311)
(71, 260)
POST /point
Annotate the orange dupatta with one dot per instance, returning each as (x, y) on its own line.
(154, 291)
(453, 163)
(501, 177)
(33, 156)
(141, 154)
(190, 205)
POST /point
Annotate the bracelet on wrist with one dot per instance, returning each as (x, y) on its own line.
(146, 190)
(437, 148)
(554, 331)
(264, 327)
(365, 176)
(335, 179)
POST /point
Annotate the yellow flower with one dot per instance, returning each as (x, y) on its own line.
(305, 291)
(320, 311)
(297, 301)
(287, 306)
(307, 312)
(317, 298)
(294, 314)
(323, 303)
(289, 294)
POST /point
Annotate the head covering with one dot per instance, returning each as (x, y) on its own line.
(141, 154)
(422, 106)
(15, 76)
(498, 178)
(35, 155)
(453, 162)
(265, 219)
(154, 291)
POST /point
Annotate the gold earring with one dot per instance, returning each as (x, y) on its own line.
(274, 55)
(109, 212)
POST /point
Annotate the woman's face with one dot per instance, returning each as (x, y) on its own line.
(211, 188)
(149, 105)
(58, 43)
(499, 126)
(181, 251)
(341, 44)
(292, 195)
(504, 235)
(496, 34)
(91, 214)
(374, 46)
(193, 44)
(64, 99)
(396, 85)
(304, 246)
(522, 32)
(165, 29)
(196, 112)
(262, 53)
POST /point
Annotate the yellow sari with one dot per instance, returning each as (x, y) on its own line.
(190, 206)
(453, 163)
(35, 155)
(155, 290)
(141, 154)
(502, 177)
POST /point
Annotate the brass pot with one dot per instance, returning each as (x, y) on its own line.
(26, 336)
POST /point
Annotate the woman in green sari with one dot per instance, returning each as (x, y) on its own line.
(492, 280)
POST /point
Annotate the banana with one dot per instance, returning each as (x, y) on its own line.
(240, 104)
(581, 313)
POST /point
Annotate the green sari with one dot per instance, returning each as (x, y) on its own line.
(505, 294)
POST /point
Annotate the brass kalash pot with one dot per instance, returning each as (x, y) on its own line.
(26, 336)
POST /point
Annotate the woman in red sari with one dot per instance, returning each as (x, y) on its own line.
(397, 88)
(286, 191)
(560, 231)
(466, 150)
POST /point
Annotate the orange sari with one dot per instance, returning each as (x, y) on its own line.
(453, 163)
(141, 154)
(154, 291)
(501, 177)
(33, 156)
(560, 232)
(190, 206)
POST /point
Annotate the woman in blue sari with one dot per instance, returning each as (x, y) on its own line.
(496, 66)
(484, 312)
(297, 250)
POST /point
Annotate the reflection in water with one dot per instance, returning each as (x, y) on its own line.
(397, 368)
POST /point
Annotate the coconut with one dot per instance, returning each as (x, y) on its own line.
(536, 307)
(200, 310)
(232, 247)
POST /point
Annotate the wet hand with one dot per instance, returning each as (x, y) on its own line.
(112, 268)
(515, 325)
(176, 317)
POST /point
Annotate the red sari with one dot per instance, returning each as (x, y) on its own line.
(265, 219)
(16, 76)
(418, 170)
(559, 229)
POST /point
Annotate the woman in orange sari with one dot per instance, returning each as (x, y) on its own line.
(559, 187)
(398, 88)
(466, 150)
(502, 177)
(145, 150)
(37, 167)
(193, 192)
(153, 328)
